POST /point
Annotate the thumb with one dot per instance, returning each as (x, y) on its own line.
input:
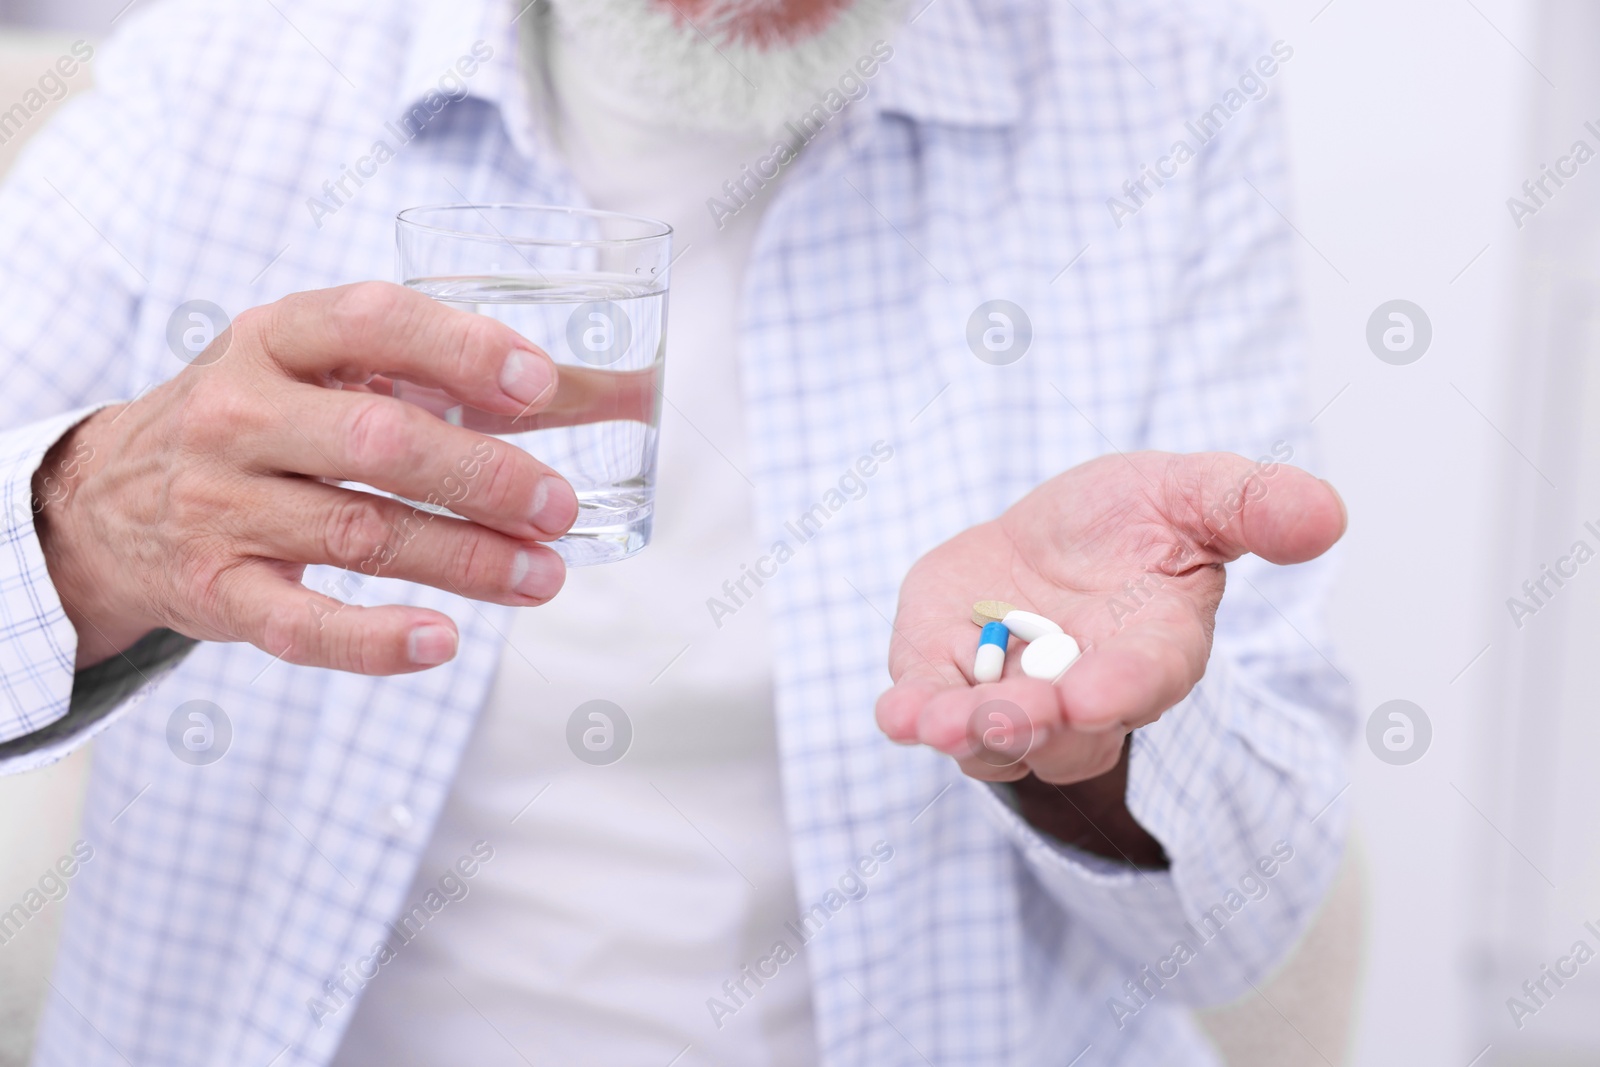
(1225, 506)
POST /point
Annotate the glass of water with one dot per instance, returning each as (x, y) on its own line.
(589, 288)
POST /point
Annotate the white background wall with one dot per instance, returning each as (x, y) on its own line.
(1411, 124)
(1403, 120)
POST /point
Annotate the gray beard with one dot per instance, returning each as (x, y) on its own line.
(699, 78)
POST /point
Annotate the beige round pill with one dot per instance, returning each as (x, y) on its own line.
(987, 611)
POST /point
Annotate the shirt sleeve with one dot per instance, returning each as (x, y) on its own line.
(1236, 783)
(76, 219)
(1241, 782)
(77, 212)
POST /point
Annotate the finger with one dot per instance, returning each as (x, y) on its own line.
(927, 681)
(1228, 506)
(309, 522)
(352, 332)
(583, 395)
(1007, 718)
(899, 709)
(1037, 735)
(287, 620)
(397, 447)
(1122, 682)
(1130, 678)
(1127, 679)
(994, 731)
(916, 683)
(1074, 756)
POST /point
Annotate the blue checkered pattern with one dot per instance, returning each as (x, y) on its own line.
(222, 897)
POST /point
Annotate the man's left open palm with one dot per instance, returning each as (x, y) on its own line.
(1126, 553)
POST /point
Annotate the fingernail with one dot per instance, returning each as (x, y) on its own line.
(536, 574)
(555, 506)
(527, 377)
(431, 645)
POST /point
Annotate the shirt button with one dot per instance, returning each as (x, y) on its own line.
(397, 818)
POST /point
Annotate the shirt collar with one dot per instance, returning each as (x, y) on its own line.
(949, 67)
(442, 33)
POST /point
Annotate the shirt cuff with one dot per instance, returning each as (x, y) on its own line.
(1230, 782)
(38, 645)
(111, 686)
(1134, 909)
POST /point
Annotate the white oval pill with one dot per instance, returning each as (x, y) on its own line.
(990, 663)
(1026, 626)
(1047, 657)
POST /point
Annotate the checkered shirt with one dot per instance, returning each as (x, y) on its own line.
(978, 167)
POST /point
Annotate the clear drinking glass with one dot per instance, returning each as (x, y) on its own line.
(590, 288)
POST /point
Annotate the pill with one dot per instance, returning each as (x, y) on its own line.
(1026, 626)
(986, 611)
(1048, 656)
(991, 659)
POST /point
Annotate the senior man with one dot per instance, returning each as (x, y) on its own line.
(945, 272)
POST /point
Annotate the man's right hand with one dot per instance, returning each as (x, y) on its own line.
(200, 504)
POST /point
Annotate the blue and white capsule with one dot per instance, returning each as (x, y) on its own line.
(991, 659)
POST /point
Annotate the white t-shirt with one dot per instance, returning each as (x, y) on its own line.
(625, 896)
